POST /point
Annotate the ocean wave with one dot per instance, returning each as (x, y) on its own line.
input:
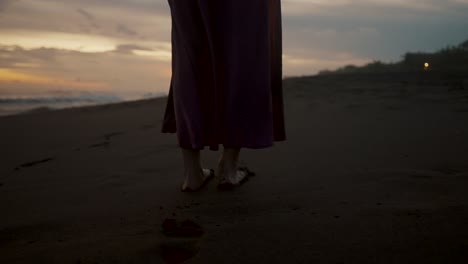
(19, 105)
(61, 99)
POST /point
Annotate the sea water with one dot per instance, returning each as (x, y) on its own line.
(17, 105)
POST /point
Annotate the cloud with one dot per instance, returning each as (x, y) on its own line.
(31, 39)
(129, 48)
(380, 30)
(88, 16)
(45, 69)
(17, 57)
(5, 3)
(352, 13)
(122, 28)
(113, 19)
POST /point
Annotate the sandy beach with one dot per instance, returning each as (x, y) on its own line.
(375, 170)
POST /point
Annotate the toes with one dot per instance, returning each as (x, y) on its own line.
(236, 179)
(240, 175)
(206, 172)
(247, 171)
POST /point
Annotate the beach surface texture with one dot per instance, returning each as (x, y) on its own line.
(374, 170)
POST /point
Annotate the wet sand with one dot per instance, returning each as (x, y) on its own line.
(372, 172)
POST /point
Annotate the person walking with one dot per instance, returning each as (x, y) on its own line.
(226, 84)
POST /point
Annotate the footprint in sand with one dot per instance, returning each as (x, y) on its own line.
(34, 163)
(107, 138)
(181, 240)
(148, 126)
(100, 144)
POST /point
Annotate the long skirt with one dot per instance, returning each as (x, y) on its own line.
(226, 85)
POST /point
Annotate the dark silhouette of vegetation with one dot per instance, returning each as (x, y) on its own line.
(453, 59)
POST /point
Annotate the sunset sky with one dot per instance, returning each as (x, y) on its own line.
(65, 47)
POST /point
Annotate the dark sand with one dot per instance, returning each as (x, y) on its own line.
(372, 172)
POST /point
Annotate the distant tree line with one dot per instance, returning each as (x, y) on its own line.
(448, 59)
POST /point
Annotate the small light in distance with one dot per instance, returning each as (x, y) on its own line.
(426, 66)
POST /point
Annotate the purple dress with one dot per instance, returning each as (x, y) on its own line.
(226, 85)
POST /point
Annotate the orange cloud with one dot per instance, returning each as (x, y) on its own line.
(7, 75)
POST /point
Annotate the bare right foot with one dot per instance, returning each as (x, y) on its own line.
(233, 179)
(229, 172)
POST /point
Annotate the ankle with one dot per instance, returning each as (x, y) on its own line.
(193, 173)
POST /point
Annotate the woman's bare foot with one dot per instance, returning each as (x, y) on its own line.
(234, 178)
(231, 176)
(195, 176)
(193, 182)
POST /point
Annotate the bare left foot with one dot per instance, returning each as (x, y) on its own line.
(195, 183)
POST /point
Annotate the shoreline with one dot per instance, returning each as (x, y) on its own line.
(42, 109)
